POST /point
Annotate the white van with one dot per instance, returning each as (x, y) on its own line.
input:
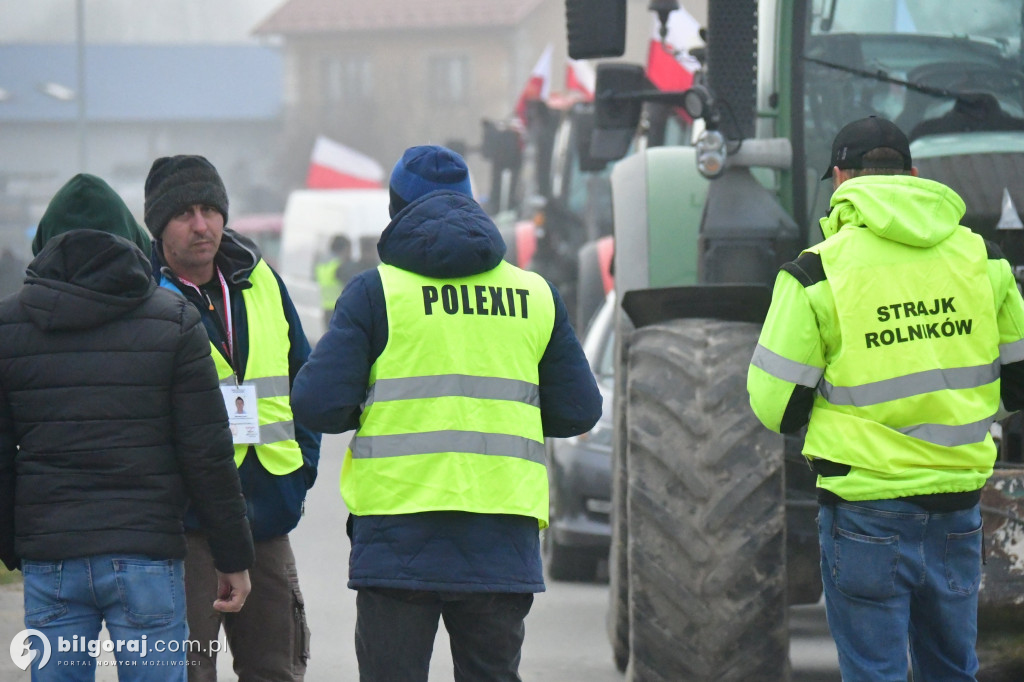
(312, 218)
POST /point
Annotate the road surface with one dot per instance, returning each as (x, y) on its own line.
(565, 632)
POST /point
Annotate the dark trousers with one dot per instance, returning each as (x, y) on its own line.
(269, 638)
(395, 632)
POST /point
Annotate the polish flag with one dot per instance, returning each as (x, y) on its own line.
(580, 77)
(538, 86)
(669, 66)
(335, 166)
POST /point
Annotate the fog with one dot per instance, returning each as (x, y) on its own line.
(131, 21)
(167, 77)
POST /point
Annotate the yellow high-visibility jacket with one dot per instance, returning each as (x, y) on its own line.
(452, 416)
(889, 340)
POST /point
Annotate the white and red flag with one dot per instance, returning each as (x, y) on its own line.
(580, 77)
(538, 86)
(335, 166)
(669, 65)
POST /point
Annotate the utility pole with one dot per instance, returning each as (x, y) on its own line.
(80, 44)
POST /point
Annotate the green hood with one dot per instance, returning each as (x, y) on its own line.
(86, 202)
(901, 208)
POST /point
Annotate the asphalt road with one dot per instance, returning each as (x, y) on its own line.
(565, 632)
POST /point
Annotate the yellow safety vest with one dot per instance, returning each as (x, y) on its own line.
(452, 413)
(909, 399)
(267, 369)
(327, 279)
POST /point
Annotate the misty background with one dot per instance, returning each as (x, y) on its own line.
(251, 85)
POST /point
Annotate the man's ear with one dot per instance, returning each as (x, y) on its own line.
(838, 178)
(913, 171)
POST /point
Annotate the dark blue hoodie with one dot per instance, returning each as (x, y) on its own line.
(445, 235)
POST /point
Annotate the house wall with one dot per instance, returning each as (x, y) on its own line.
(399, 111)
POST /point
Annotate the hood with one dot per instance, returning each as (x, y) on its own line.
(444, 235)
(901, 208)
(86, 202)
(84, 278)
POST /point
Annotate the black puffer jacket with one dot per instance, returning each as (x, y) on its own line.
(110, 413)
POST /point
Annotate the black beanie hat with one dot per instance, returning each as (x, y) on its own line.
(177, 182)
(86, 202)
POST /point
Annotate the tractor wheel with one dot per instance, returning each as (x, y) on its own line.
(618, 556)
(706, 514)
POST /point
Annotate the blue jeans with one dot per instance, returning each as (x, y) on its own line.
(395, 632)
(141, 600)
(897, 576)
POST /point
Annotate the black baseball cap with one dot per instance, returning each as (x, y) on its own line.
(860, 137)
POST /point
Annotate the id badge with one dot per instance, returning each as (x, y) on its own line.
(243, 414)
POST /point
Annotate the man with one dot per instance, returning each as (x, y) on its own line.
(110, 420)
(452, 365)
(329, 274)
(258, 347)
(893, 341)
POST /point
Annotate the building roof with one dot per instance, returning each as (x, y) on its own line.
(141, 82)
(340, 16)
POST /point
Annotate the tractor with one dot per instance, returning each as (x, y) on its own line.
(551, 200)
(713, 516)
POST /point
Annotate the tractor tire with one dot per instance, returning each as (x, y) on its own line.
(706, 510)
(618, 555)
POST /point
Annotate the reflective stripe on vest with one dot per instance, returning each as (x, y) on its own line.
(267, 368)
(452, 415)
(909, 398)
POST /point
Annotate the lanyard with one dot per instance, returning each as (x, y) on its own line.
(227, 313)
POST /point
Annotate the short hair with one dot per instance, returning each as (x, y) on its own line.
(340, 243)
(880, 161)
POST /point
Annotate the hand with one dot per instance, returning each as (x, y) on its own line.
(232, 589)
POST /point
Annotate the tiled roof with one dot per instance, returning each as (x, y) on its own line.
(334, 16)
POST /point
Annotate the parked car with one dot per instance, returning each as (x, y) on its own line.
(579, 470)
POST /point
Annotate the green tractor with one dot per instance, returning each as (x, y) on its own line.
(551, 200)
(713, 516)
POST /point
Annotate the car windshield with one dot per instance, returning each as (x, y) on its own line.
(917, 62)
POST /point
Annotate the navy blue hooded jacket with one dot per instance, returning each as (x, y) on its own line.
(443, 234)
(274, 503)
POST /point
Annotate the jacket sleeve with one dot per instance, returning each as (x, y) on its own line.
(204, 450)
(1010, 320)
(331, 387)
(788, 361)
(8, 450)
(307, 437)
(570, 402)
